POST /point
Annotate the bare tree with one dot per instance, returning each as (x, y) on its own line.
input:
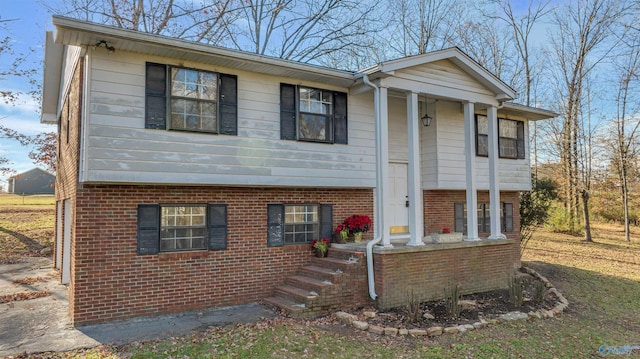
(302, 30)
(205, 21)
(492, 47)
(420, 26)
(579, 45)
(521, 28)
(626, 126)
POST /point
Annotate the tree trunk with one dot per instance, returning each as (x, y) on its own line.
(585, 210)
(625, 203)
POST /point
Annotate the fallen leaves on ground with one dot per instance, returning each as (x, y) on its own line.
(23, 296)
(29, 280)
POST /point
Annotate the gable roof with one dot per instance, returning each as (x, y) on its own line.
(81, 34)
(503, 91)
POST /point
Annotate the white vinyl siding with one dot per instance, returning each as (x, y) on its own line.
(121, 150)
(445, 79)
(445, 169)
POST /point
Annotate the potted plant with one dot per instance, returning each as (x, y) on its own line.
(358, 225)
(320, 247)
(342, 233)
(446, 236)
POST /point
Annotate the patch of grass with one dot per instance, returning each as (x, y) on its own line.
(25, 229)
(7, 199)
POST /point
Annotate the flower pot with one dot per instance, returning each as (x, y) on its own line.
(320, 254)
(357, 237)
(446, 237)
(338, 238)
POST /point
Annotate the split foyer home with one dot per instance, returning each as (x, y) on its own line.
(192, 176)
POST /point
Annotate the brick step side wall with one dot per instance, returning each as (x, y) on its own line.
(338, 281)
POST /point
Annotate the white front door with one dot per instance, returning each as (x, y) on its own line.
(399, 213)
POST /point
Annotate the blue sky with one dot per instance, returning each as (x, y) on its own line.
(27, 31)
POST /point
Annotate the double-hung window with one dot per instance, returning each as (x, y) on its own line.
(186, 99)
(484, 217)
(298, 223)
(301, 223)
(181, 227)
(511, 139)
(312, 114)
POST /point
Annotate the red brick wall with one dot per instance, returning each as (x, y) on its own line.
(438, 209)
(427, 271)
(68, 146)
(112, 282)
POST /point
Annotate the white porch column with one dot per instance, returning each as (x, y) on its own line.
(494, 181)
(416, 207)
(383, 156)
(470, 159)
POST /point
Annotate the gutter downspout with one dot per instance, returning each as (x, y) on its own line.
(378, 194)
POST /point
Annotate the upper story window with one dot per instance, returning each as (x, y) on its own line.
(194, 100)
(311, 114)
(186, 99)
(510, 137)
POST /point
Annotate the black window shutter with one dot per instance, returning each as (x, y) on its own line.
(458, 214)
(340, 118)
(217, 223)
(275, 225)
(326, 221)
(156, 96)
(148, 228)
(228, 104)
(520, 140)
(508, 217)
(288, 112)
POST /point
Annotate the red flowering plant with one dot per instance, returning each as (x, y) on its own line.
(321, 245)
(343, 230)
(357, 223)
(446, 230)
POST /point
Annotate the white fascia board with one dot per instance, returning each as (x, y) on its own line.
(458, 57)
(80, 33)
(530, 113)
(52, 75)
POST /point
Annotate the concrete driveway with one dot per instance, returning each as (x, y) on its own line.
(43, 324)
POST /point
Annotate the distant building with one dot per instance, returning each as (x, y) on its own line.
(34, 181)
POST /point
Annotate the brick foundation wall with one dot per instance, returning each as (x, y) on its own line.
(112, 282)
(68, 149)
(439, 207)
(427, 271)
